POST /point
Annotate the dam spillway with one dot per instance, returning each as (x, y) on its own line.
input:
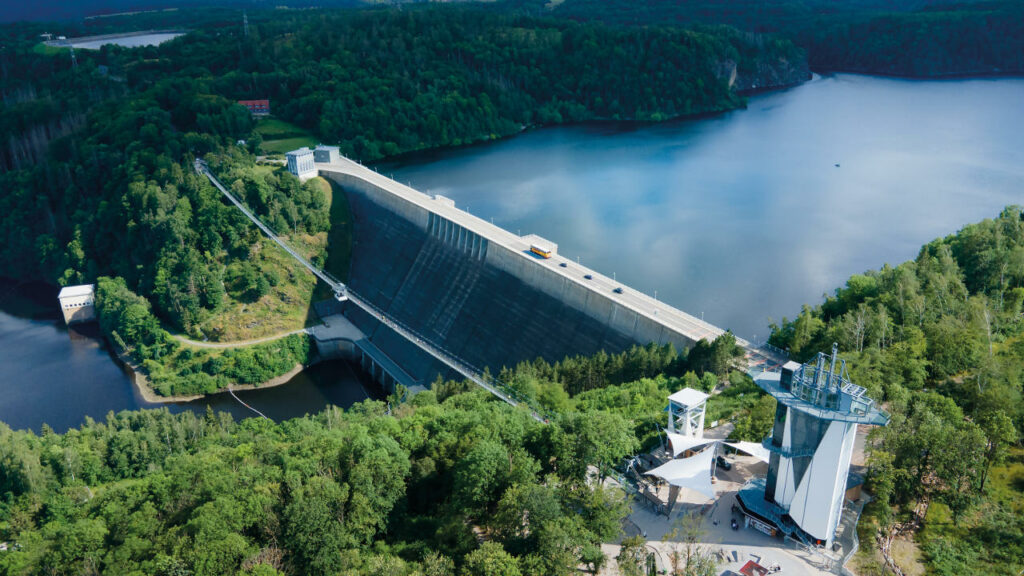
(477, 290)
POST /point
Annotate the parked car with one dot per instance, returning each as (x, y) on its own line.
(722, 463)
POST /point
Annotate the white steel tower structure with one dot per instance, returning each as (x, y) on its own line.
(686, 412)
(811, 446)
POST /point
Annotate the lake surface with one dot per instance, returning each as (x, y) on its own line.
(134, 41)
(744, 217)
(58, 375)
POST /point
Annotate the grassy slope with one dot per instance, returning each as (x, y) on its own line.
(1005, 485)
(287, 306)
(47, 50)
(282, 309)
(280, 136)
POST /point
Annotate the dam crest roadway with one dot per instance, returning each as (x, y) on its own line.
(626, 311)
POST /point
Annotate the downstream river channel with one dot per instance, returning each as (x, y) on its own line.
(58, 375)
(741, 218)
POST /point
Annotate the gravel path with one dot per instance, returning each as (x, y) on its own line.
(239, 343)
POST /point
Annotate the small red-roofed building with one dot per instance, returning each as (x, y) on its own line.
(257, 107)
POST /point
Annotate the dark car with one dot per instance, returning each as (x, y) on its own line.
(618, 290)
(564, 265)
(722, 463)
(588, 276)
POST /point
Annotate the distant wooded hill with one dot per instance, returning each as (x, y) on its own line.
(909, 38)
(62, 10)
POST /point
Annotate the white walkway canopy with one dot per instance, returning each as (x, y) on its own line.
(755, 449)
(693, 473)
(681, 443)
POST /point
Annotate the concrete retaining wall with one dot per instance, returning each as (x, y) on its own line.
(486, 303)
(336, 349)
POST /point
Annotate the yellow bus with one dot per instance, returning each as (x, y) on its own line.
(542, 251)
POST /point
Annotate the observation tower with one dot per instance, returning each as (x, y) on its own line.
(811, 446)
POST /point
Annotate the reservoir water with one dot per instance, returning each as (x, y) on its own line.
(746, 216)
(740, 217)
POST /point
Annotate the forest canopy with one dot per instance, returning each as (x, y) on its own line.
(97, 156)
(940, 340)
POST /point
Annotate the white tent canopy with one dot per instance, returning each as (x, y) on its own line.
(755, 449)
(693, 472)
(681, 443)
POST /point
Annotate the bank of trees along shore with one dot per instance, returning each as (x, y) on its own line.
(940, 340)
(451, 481)
(925, 38)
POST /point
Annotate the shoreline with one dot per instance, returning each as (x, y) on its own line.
(149, 395)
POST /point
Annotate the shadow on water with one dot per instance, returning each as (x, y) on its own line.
(334, 382)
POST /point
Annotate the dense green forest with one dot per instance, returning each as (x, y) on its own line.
(940, 340)
(97, 157)
(356, 492)
(904, 38)
(453, 481)
(450, 481)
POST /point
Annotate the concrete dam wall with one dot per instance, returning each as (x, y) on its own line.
(471, 289)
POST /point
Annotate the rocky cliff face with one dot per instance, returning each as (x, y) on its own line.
(762, 62)
(765, 73)
(776, 73)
